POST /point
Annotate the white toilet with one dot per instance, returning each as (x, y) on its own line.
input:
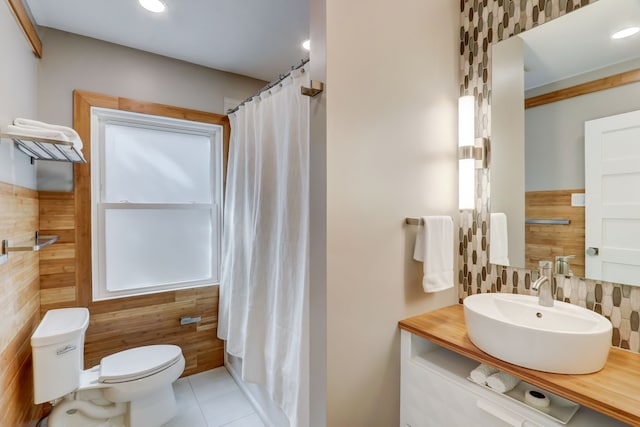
(132, 388)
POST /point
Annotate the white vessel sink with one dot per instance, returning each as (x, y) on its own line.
(564, 339)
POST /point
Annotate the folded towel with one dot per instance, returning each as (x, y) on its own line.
(37, 133)
(434, 247)
(481, 373)
(70, 133)
(499, 239)
(502, 382)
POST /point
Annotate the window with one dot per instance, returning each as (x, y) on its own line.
(156, 191)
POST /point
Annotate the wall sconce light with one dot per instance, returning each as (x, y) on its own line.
(470, 150)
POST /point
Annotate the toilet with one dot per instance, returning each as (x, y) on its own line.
(132, 388)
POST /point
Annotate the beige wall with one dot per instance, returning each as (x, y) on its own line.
(18, 76)
(554, 135)
(391, 102)
(317, 297)
(75, 62)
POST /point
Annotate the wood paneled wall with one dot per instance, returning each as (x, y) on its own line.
(545, 242)
(19, 307)
(122, 323)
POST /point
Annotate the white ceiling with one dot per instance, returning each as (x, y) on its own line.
(580, 42)
(256, 38)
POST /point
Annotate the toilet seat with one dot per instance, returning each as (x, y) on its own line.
(137, 363)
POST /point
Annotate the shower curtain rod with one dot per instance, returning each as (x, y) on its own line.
(271, 84)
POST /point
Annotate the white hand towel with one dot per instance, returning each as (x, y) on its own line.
(499, 239)
(481, 373)
(70, 133)
(37, 133)
(502, 382)
(434, 247)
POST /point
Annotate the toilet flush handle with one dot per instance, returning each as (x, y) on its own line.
(65, 349)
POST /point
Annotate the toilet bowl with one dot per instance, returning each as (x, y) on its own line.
(131, 388)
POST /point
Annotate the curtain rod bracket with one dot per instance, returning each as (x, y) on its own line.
(316, 88)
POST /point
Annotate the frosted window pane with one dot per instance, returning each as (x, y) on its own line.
(147, 247)
(156, 166)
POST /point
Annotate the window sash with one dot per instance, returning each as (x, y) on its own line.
(155, 164)
(100, 207)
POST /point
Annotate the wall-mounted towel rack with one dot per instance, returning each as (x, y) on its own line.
(46, 149)
(413, 221)
(548, 221)
(40, 242)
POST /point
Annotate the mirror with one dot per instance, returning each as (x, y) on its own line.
(538, 168)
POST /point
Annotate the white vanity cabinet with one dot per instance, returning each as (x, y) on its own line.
(435, 392)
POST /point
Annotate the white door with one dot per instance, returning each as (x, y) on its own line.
(612, 175)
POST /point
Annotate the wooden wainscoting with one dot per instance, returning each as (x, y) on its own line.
(122, 323)
(19, 306)
(545, 242)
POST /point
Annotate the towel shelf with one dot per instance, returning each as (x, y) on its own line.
(46, 149)
(40, 242)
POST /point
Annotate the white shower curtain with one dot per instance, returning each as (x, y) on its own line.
(265, 251)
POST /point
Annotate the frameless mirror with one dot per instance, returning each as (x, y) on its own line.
(571, 82)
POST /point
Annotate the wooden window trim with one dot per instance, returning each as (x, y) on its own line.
(82, 103)
(609, 82)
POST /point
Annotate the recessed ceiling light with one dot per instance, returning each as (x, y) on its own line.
(306, 44)
(627, 32)
(155, 6)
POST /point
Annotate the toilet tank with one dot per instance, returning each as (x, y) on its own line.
(57, 346)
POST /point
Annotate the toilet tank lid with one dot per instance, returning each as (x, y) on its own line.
(60, 325)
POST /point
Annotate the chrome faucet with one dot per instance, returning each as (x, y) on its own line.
(562, 265)
(544, 284)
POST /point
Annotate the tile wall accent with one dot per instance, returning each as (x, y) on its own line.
(483, 23)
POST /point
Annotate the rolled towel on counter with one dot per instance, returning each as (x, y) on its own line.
(502, 382)
(482, 373)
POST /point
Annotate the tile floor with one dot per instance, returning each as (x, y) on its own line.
(212, 399)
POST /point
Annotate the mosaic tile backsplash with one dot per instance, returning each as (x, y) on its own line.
(483, 23)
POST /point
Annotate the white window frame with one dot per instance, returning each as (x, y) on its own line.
(99, 118)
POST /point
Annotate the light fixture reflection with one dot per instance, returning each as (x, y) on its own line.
(155, 6)
(624, 33)
(466, 166)
(306, 45)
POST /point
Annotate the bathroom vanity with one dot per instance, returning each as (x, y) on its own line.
(437, 357)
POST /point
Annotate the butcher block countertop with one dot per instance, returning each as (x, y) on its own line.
(614, 391)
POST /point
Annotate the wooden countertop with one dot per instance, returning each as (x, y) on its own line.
(614, 391)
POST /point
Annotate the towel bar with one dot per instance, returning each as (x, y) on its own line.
(39, 243)
(548, 221)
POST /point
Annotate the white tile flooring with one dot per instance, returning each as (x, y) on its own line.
(212, 399)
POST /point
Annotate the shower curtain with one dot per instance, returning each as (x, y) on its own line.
(265, 249)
